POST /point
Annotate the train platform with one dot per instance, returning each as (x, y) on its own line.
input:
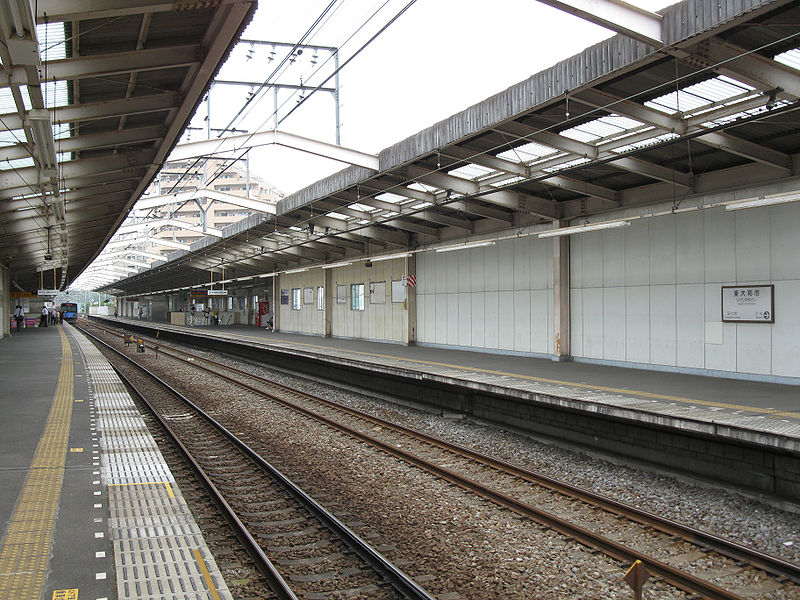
(88, 508)
(754, 411)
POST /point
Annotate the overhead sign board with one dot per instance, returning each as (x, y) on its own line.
(217, 292)
(748, 304)
(47, 293)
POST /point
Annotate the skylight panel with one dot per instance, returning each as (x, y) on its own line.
(580, 134)
(390, 197)
(572, 163)
(471, 171)
(528, 152)
(790, 58)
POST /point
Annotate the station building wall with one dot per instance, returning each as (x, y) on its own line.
(380, 319)
(650, 294)
(305, 319)
(489, 298)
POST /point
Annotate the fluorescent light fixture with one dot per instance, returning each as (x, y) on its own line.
(763, 201)
(303, 270)
(333, 266)
(389, 257)
(42, 129)
(465, 246)
(267, 275)
(585, 228)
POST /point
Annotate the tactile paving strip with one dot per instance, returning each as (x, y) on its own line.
(159, 551)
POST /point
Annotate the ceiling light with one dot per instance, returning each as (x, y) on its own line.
(585, 228)
(763, 201)
(303, 270)
(333, 266)
(390, 257)
(465, 246)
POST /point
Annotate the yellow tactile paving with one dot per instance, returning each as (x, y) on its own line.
(26, 547)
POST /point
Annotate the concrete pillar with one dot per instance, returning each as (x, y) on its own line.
(329, 302)
(411, 301)
(276, 302)
(561, 308)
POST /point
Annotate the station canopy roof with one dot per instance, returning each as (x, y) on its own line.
(93, 96)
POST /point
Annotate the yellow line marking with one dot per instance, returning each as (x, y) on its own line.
(25, 549)
(76, 449)
(206, 575)
(627, 392)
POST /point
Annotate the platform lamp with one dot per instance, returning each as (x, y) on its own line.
(42, 129)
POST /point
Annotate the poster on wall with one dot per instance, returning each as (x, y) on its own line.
(748, 304)
(308, 295)
(341, 294)
(398, 290)
(284, 296)
(377, 292)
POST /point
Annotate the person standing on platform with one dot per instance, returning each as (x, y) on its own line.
(19, 316)
(43, 320)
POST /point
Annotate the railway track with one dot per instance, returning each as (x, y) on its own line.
(669, 550)
(303, 550)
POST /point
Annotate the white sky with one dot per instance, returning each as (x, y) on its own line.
(437, 59)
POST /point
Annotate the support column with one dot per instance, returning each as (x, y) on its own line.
(276, 303)
(411, 302)
(329, 301)
(561, 306)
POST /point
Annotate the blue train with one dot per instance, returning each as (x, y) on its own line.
(69, 310)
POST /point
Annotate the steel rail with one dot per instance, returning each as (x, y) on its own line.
(672, 575)
(729, 548)
(404, 584)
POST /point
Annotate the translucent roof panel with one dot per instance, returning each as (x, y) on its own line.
(694, 97)
(648, 142)
(528, 152)
(471, 171)
(790, 58)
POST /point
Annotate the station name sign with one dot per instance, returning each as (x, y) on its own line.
(47, 293)
(748, 304)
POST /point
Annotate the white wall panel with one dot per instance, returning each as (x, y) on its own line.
(542, 260)
(522, 320)
(690, 302)
(689, 248)
(478, 322)
(464, 271)
(785, 242)
(505, 271)
(754, 348)
(662, 325)
(491, 319)
(452, 318)
(786, 336)
(491, 273)
(637, 324)
(720, 245)
(522, 263)
(752, 246)
(662, 251)
(614, 323)
(637, 252)
(613, 259)
(576, 322)
(593, 322)
(440, 324)
(592, 255)
(450, 274)
(721, 357)
(506, 323)
(541, 321)
(576, 259)
(465, 319)
(477, 260)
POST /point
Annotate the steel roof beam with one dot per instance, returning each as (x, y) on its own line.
(616, 15)
(237, 143)
(487, 160)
